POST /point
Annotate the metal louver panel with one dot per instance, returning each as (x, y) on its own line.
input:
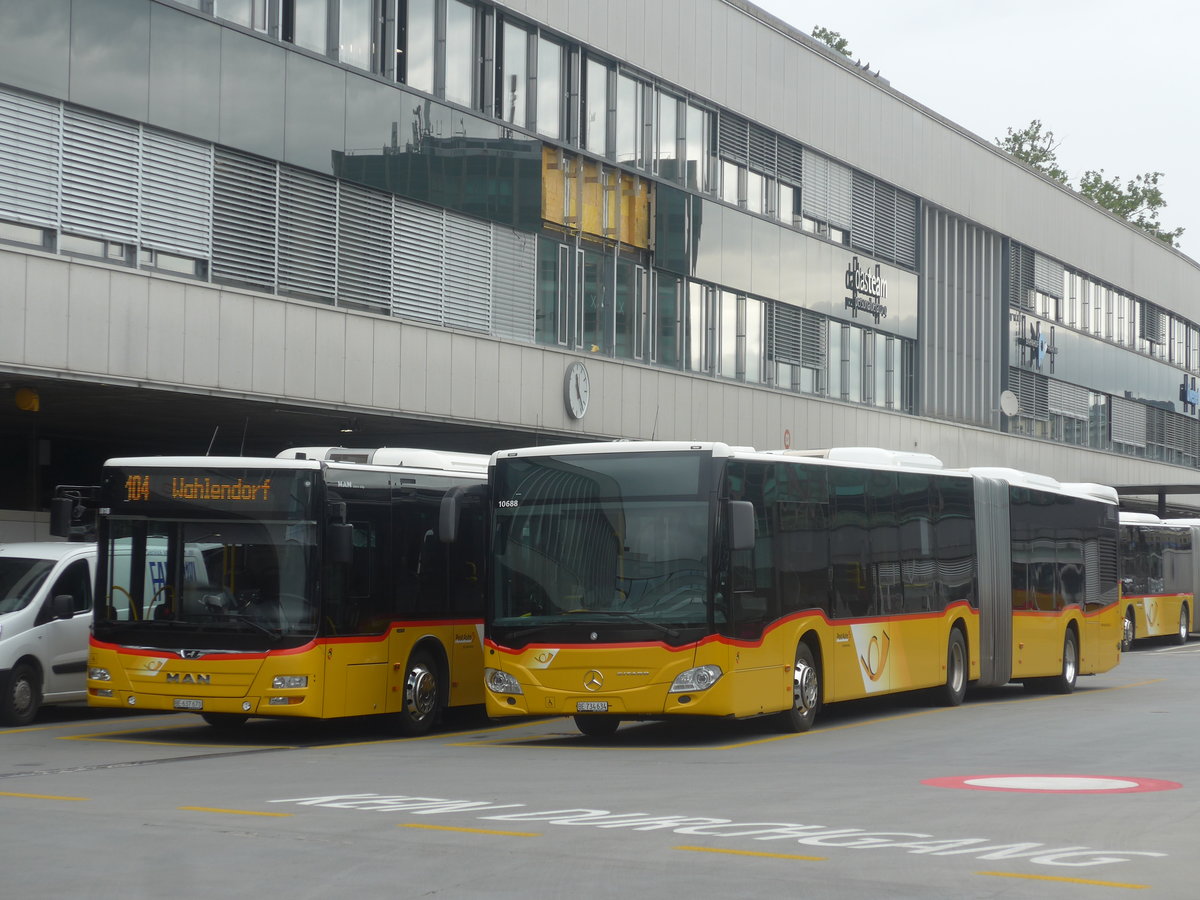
(514, 284)
(733, 135)
(816, 339)
(468, 273)
(841, 194)
(862, 226)
(245, 203)
(1020, 282)
(1047, 275)
(176, 200)
(762, 150)
(815, 193)
(906, 229)
(1152, 324)
(29, 152)
(1128, 422)
(796, 336)
(885, 221)
(1032, 390)
(1068, 399)
(307, 233)
(419, 259)
(364, 248)
(100, 176)
(790, 162)
(1180, 433)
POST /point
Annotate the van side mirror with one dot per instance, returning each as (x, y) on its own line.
(341, 542)
(741, 525)
(62, 606)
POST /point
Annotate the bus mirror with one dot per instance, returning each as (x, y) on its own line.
(62, 511)
(448, 517)
(741, 525)
(341, 542)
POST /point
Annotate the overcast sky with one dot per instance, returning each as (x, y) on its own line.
(1116, 81)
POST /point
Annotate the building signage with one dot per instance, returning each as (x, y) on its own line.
(868, 291)
(1188, 395)
(1037, 350)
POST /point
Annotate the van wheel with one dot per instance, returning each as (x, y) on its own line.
(22, 695)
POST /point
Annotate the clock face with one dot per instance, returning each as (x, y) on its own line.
(576, 389)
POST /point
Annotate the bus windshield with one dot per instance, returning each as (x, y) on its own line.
(620, 539)
(226, 584)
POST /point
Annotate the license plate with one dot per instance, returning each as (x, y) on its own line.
(591, 706)
(189, 704)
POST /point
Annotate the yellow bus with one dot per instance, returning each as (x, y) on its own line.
(647, 580)
(312, 585)
(1158, 572)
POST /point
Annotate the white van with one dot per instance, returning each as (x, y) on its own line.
(45, 620)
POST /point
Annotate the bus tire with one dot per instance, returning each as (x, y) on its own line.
(22, 697)
(806, 693)
(1064, 681)
(1128, 631)
(601, 726)
(225, 721)
(1181, 636)
(955, 688)
(422, 695)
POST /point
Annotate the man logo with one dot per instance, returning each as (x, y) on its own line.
(593, 680)
(188, 678)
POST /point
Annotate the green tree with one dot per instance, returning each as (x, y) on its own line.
(832, 39)
(1035, 146)
(1137, 202)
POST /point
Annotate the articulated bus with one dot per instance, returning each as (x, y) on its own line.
(1158, 577)
(646, 580)
(310, 585)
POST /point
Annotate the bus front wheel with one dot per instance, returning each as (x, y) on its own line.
(1181, 636)
(1064, 682)
(422, 696)
(1128, 632)
(806, 693)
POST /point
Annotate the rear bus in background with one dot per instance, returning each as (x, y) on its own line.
(644, 580)
(1159, 568)
(312, 585)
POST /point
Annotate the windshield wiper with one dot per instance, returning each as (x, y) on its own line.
(273, 633)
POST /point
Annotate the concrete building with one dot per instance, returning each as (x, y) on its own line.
(240, 225)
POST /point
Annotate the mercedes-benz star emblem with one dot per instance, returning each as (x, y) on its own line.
(593, 680)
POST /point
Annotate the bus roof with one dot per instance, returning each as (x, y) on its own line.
(313, 457)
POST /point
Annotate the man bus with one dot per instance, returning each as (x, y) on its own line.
(310, 585)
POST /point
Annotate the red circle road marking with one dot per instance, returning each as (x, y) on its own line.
(1054, 784)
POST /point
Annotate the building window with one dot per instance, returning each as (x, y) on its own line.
(698, 327)
(512, 88)
(630, 121)
(247, 13)
(417, 42)
(460, 53)
(667, 155)
(595, 107)
(696, 143)
(666, 350)
(549, 88)
(355, 31)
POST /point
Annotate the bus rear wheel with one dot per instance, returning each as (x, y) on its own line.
(1064, 682)
(806, 693)
(955, 688)
(422, 696)
(1128, 632)
(597, 726)
(1181, 636)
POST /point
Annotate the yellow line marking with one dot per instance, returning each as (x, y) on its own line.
(40, 796)
(234, 812)
(470, 830)
(1115, 884)
(434, 736)
(754, 853)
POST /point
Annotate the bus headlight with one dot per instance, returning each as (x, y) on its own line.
(95, 673)
(501, 682)
(700, 678)
(282, 682)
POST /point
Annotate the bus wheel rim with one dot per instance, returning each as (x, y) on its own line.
(420, 692)
(805, 686)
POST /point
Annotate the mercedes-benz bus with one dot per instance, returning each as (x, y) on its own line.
(1158, 578)
(648, 580)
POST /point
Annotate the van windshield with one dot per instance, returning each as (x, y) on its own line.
(217, 584)
(20, 578)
